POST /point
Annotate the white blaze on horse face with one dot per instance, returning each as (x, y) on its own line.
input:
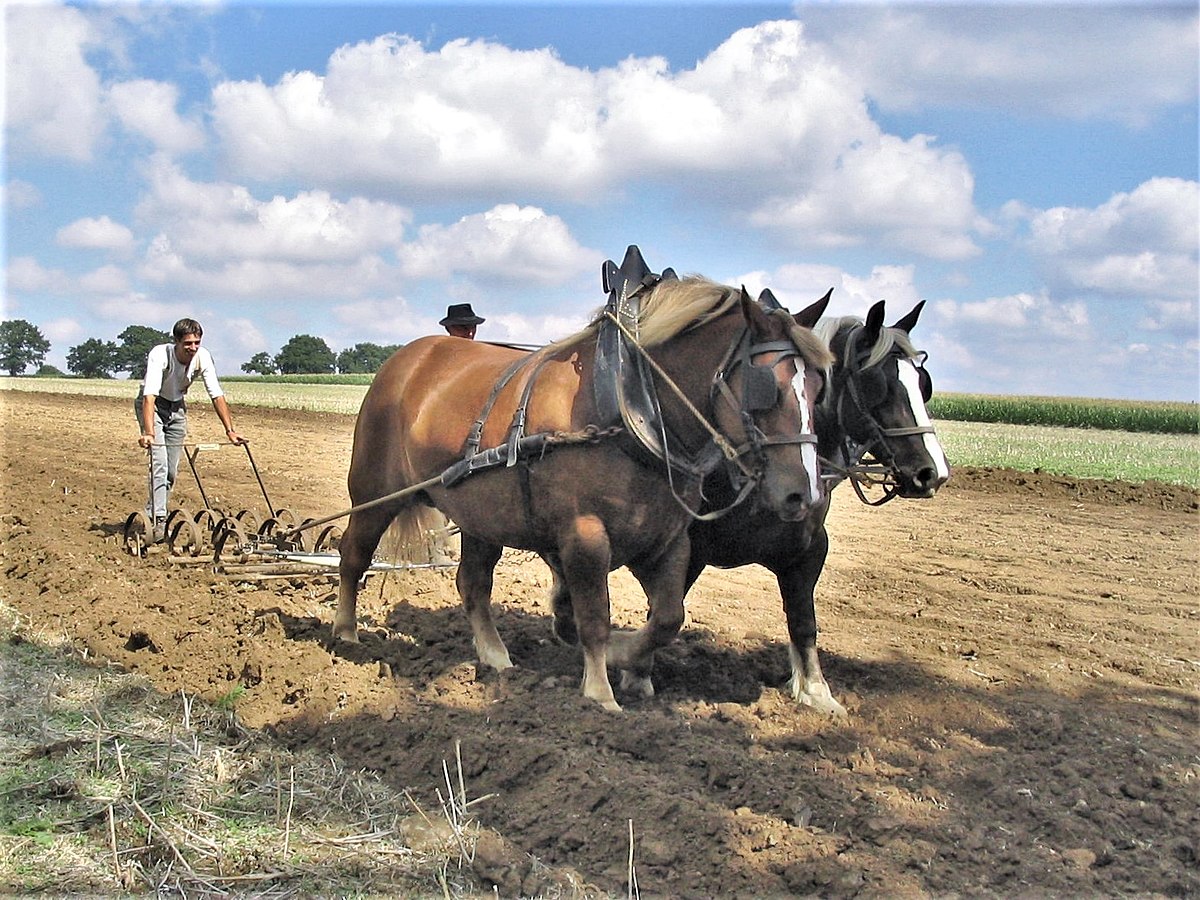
(912, 387)
(808, 450)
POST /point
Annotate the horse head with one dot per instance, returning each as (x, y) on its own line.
(771, 382)
(876, 404)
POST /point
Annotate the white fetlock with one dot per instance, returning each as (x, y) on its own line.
(817, 696)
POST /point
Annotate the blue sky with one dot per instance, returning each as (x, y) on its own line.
(1030, 170)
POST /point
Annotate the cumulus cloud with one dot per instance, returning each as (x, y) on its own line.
(1141, 244)
(767, 124)
(147, 108)
(54, 97)
(1123, 63)
(509, 243)
(20, 195)
(24, 274)
(100, 233)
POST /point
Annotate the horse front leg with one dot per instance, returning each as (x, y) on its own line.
(560, 603)
(664, 581)
(476, 572)
(585, 556)
(797, 585)
(356, 551)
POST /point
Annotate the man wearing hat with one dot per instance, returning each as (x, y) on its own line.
(461, 320)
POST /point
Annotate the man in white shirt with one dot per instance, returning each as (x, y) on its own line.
(161, 410)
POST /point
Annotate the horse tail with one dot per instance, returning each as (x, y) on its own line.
(418, 535)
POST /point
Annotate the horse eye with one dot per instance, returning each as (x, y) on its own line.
(872, 385)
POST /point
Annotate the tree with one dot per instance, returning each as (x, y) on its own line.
(364, 358)
(21, 345)
(136, 342)
(305, 355)
(260, 364)
(93, 358)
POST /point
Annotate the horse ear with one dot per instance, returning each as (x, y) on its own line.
(809, 316)
(873, 324)
(906, 324)
(769, 300)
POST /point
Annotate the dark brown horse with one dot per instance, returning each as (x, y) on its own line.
(723, 370)
(874, 405)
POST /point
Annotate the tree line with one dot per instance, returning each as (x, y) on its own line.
(22, 346)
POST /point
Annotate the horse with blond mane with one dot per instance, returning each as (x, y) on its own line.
(560, 477)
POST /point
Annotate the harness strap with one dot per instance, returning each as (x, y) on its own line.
(476, 435)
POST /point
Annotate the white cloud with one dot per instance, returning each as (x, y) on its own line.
(767, 124)
(54, 97)
(100, 233)
(105, 280)
(797, 285)
(147, 108)
(25, 275)
(20, 195)
(1118, 62)
(1140, 244)
(508, 243)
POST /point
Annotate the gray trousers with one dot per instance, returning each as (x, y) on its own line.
(170, 431)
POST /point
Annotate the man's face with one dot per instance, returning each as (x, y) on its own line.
(464, 331)
(186, 347)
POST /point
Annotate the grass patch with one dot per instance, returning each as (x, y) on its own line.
(109, 788)
(1159, 417)
(1075, 452)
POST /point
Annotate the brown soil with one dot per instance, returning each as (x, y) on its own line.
(1018, 655)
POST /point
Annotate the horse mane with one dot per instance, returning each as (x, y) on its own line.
(890, 339)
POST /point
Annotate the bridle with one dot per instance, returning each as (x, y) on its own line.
(883, 473)
(747, 461)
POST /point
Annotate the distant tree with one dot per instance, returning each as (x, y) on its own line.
(93, 358)
(260, 364)
(364, 358)
(45, 370)
(135, 344)
(21, 345)
(305, 355)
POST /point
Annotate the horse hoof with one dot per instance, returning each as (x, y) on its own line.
(637, 685)
(349, 635)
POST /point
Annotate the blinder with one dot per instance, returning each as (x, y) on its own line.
(924, 379)
(761, 391)
(872, 386)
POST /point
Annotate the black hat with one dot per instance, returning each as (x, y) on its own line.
(461, 314)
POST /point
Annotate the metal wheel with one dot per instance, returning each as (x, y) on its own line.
(183, 538)
(206, 521)
(249, 519)
(229, 539)
(175, 514)
(330, 538)
(138, 533)
(286, 517)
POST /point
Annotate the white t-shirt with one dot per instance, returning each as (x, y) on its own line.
(168, 378)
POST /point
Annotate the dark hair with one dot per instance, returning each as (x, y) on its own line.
(185, 327)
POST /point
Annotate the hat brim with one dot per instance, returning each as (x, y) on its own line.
(470, 320)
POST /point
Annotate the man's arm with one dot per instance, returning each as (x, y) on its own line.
(147, 435)
(226, 418)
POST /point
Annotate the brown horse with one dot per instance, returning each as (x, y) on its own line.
(589, 500)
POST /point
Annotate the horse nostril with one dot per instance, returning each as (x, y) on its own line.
(795, 506)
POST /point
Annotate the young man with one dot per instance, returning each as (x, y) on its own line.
(461, 320)
(162, 410)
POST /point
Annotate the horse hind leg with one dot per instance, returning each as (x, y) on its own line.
(356, 551)
(475, 578)
(664, 583)
(560, 602)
